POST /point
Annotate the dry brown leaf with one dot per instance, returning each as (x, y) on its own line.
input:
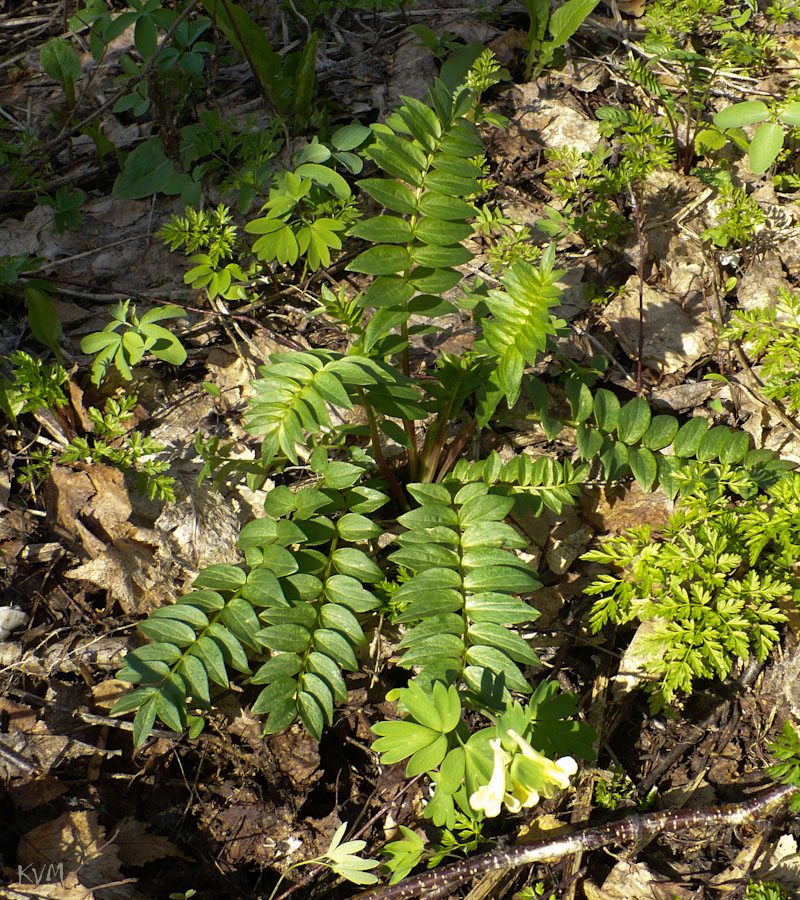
(36, 792)
(106, 693)
(676, 334)
(68, 889)
(136, 846)
(635, 8)
(77, 841)
(629, 880)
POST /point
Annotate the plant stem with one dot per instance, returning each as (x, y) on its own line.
(380, 459)
(637, 218)
(627, 831)
(459, 442)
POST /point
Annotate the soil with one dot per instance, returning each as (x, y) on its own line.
(84, 556)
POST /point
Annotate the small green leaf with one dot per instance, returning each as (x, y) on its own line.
(712, 443)
(384, 260)
(566, 20)
(43, 318)
(606, 410)
(661, 432)
(440, 257)
(441, 206)
(589, 441)
(60, 61)
(349, 561)
(390, 194)
(383, 229)
(325, 177)
(634, 420)
(286, 638)
(220, 577)
(441, 232)
(643, 465)
(765, 147)
(742, 114)
(170, 630)
(790, 114)
(688, 437)
(355, 527)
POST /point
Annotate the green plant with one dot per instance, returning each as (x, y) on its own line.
(562, 24)
(305, 212)
(38, 385)
(212, 231)
(768, 140)
(711, 583)
(113, 443)
(140, 336)
(765, 890)
(772, 335)
(738, 215)
(341, 858)
(781, 10)
(588, 188)
(35, 384)
(614, 786)
(787, 750)
(423, 537)
(60, 61)
(65, 206)
(406, 853)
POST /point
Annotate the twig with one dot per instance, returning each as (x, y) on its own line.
(627, 831)
(637, 218)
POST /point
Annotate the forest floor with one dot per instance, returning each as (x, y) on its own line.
(84, 556)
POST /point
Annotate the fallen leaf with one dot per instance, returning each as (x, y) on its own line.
(136, 846)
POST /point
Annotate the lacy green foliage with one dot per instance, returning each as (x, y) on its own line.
(139, 336)
(772, 335)
(712, 581)
(738, 216)
(35, 384)
(588, 188)
(296, 612)
(113, 443)
(765, 890)
(38, 385)
(215, 270)
(787, 750)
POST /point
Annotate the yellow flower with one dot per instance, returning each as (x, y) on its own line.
(490, 796)
(555, 775)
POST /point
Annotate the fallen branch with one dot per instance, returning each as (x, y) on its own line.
(626, 831)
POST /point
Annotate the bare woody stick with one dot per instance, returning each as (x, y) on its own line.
(627, 831)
